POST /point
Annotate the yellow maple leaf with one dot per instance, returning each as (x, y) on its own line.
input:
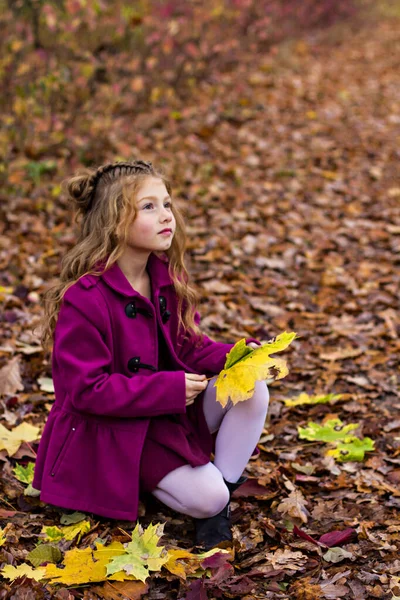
(11, 440)
(244, 366)
(84, 566)
(304, 398)
(23, 570)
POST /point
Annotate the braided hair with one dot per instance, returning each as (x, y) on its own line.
(82, 187)
(124, 168)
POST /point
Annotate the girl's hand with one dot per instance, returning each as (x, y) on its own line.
(195, 384)
(253, 345)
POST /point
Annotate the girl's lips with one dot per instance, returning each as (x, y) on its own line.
(166, 232)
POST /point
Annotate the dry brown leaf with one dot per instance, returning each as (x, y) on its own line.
(10, 377)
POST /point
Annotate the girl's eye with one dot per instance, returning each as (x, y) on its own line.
(150, 204)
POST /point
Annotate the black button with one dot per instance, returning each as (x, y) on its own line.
(133, 364)
(130, 310)
(163, 303)
(166, 316)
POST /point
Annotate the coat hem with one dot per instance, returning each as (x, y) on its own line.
(69, 503)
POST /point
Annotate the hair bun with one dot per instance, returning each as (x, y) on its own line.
(79, 188)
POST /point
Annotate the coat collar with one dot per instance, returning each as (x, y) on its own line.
(158, 271)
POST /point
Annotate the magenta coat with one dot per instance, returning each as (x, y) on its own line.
(107, 388)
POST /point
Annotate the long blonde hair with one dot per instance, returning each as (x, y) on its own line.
(104, 201)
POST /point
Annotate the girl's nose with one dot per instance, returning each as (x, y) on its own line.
(166, 215)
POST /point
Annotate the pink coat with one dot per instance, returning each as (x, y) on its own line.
(107, 388)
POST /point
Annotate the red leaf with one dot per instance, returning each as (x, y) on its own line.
(196, 591)
(305, 535)
(4, 513)
(336, 538)
(251, 487)
(215, 561)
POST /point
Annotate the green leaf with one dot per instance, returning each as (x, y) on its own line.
(142, 553)
(31, 491)
(331, 431)
(237, 353)
(24, 474)
(74, 517)
(352, 448)
(44, 553)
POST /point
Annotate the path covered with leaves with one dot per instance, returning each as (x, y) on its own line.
(287, 166)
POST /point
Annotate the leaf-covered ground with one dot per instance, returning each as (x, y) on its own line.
(288, 168)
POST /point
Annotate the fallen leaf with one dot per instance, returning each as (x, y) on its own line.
(288, 559)
(330, 431)
(183, 563)
(304, 398)
(335, 538)
(337, 554)
(142, 554)
(24, 570)
(44, 553)
(24, 474)
(332, 591)
(84, 566)
(11, 440)
(352, 448)
(119, 590)
(66, 533)
(46, 384)
(295, 506)
(10, 378)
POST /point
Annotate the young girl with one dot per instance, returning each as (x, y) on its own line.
(133, 411)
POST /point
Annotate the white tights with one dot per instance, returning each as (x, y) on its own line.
(200, 491)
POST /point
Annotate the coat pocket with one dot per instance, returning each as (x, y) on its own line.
(60, 454)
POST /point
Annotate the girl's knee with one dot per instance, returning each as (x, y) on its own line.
(213, 499)
(210, 497)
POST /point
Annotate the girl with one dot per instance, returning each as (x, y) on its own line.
(133, 411)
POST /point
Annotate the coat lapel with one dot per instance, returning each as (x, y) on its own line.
(158, 271)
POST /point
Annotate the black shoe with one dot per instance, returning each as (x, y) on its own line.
(214, 530)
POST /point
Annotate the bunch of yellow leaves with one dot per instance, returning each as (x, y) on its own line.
(244, 366)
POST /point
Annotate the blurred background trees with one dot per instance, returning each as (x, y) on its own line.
(58, 55)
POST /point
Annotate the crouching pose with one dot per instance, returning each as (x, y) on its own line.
(135, 408)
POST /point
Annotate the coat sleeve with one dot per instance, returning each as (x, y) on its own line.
(210, 357)
(84, 362)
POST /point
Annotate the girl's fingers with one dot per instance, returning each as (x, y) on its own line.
(198, 387)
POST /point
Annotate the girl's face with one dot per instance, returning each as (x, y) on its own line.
(154, 214)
